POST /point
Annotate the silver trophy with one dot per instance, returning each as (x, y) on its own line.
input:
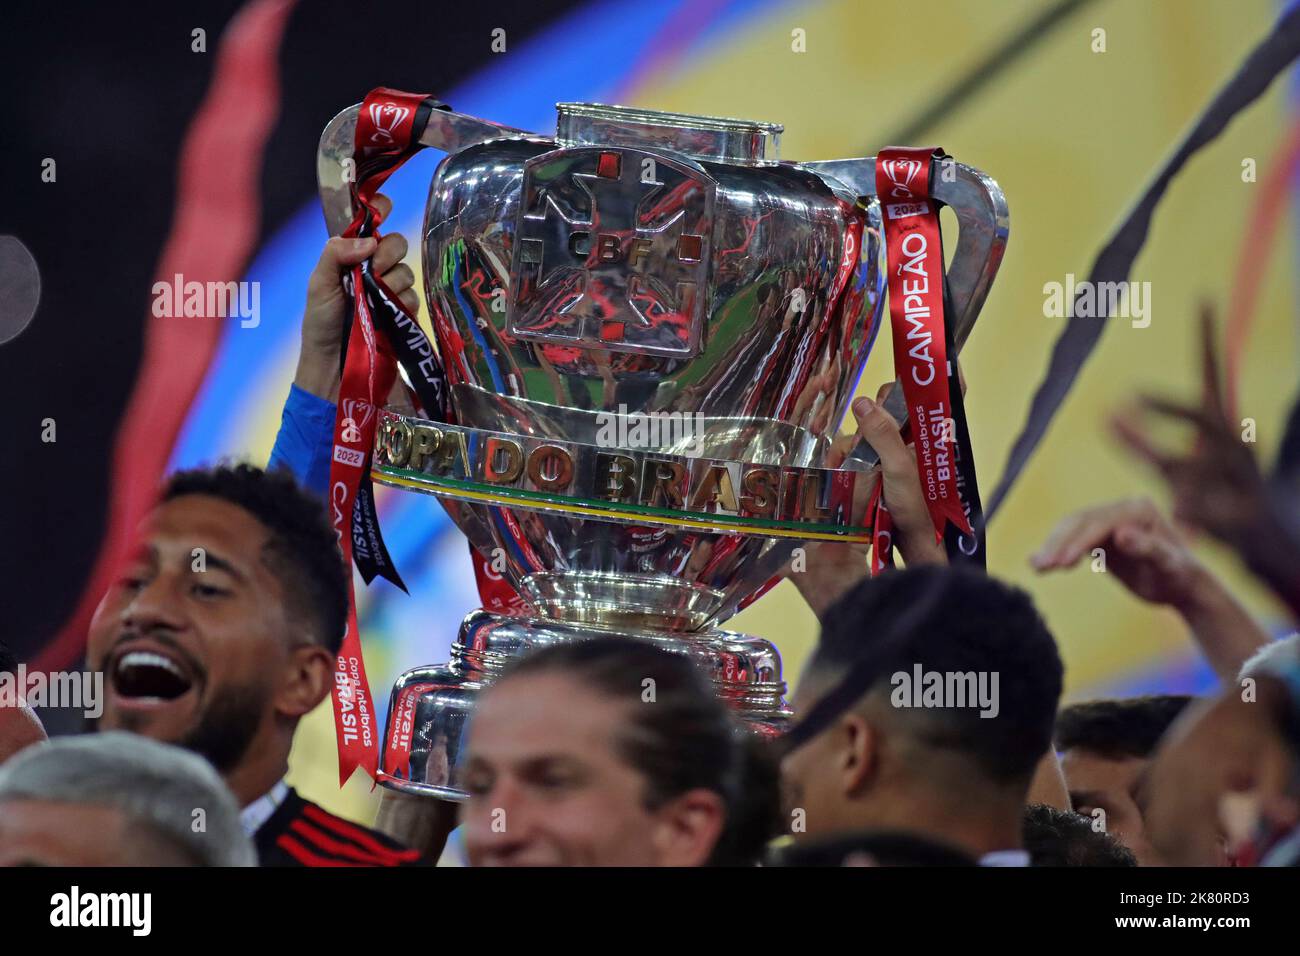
(652, 328)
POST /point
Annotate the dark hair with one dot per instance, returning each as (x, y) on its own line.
(1061, 838)
(1129, 727)
(686, 740)
(971, 624)
(8, 662)
(884, 847)
(303, 550)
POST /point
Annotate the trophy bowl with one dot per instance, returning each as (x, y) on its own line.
(651, 329)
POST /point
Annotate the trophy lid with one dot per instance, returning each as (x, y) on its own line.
(710, 138)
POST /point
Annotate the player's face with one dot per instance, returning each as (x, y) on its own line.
(546, 785)
(810, 790)
(46, 833)
(1109, 790)
(191, 635)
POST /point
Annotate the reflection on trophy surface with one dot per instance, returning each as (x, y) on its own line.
(651, 328)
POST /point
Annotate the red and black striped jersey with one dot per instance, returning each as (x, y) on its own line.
(300, 833)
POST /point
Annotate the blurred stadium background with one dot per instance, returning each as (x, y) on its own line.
(136, 124)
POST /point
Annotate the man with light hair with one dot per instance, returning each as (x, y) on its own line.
(117, 799)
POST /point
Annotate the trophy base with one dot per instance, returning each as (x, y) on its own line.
(431, 706)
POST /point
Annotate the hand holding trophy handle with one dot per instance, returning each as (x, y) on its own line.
(982, 220)
(447, 130)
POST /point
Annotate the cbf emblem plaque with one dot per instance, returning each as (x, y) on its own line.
(612, 252)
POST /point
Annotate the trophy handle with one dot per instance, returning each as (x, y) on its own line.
(447, 130)
(983, 223)
(982, 219)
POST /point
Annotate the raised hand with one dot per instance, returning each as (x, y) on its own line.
(1217, 486)
(326, 310)
(1150, 558)
(834, 567)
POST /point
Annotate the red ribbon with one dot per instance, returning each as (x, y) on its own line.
(397, 753)
(494, 590)
(383, 143)
(882, 530)
(915, 256)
